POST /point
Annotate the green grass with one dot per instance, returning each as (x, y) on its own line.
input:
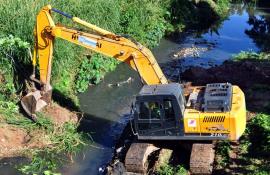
(147, 23)
(249, 55)
(172, 170)
(253, 155)
(223, 149)
(64, 143)
(73, 67)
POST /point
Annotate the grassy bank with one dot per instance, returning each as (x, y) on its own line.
(252, 153)
(74, 67)
(244, 55)
(147, 24)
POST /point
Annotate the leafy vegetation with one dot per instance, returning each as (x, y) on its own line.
(11, 49)
(93, 70)
(245, 55)
(72, 68)
(223, 150)
(254, 148)
(259, 134)
(147, 24)
(171, 170)
(65, 141)
(197, 15)
(255, 145)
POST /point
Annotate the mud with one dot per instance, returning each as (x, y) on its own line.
(15, 141)
(252, 76)
(60, 115)
(242, 73)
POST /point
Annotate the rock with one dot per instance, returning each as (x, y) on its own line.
(117, 168)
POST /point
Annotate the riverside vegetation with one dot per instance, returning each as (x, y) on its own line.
(74, 67)
(251, 154)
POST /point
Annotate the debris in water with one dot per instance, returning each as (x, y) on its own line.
(129, 80)
(192, 51)
(119, 150)
(101, 169)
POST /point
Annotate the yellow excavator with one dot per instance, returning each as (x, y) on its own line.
(162, 111)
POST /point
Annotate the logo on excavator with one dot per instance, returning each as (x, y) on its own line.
(87, 41)
(192, 123)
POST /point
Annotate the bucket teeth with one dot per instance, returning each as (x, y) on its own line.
(33, 103)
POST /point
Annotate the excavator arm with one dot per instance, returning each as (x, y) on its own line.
(101, 41)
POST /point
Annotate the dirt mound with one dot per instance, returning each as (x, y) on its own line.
(14, 141)
(253, 77)
(60, 115)
(244, 73)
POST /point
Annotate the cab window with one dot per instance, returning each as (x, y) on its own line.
(168, 110)
(150, 110)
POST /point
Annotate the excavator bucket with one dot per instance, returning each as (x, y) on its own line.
(33, 102)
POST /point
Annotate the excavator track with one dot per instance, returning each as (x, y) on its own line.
(136, 160)
(202, 158)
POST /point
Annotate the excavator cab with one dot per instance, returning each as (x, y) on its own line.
(212, 112)
(159, 111)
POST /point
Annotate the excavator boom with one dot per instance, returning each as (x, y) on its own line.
(107, 43)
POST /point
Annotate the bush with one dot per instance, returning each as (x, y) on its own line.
(245, 55)
(147, 23)
(171, 170)
(223, 150)
(13, 57)
(65, 141)
(259, 133)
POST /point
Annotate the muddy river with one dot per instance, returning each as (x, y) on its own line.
(106, 107)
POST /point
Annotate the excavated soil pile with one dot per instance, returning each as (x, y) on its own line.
(242, 73)
(60, 115)
(15, 140)
(253, 77)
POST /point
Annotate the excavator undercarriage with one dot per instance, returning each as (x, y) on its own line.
(136, 160)
(139, 155)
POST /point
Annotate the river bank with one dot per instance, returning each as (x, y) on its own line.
(250, 154)
(72, 68)
(247, 69)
